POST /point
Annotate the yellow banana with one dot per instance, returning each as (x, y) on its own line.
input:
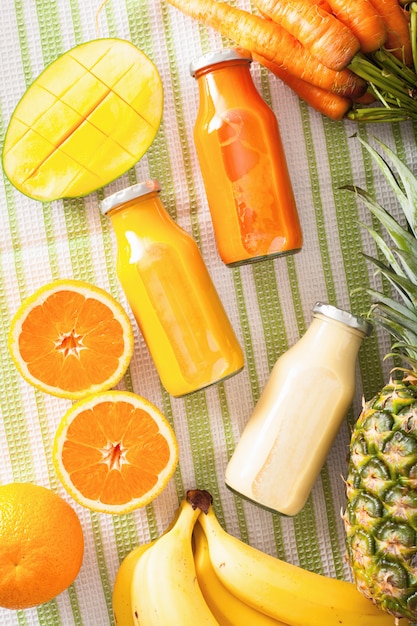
(226, 607)
(284, 591)
(122, 597)
(164, 589)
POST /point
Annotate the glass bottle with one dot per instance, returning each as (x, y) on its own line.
(292, 428)
(171, 294)
(242, 162)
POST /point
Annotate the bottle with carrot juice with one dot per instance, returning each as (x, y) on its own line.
(242, 162)
(171, 294)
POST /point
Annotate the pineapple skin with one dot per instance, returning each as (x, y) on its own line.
(381, 487)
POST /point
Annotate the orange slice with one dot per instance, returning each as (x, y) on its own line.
(114, 452)
(87, 119)
(71, 339)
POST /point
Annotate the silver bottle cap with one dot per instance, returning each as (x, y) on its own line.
(129, 193)
(354, 321)
(219, 56)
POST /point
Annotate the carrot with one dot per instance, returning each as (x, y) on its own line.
(363, 20)
(366, 98)
(323, 4)
(326, 37)
(330, 104)
(398, 32)
(271, 41)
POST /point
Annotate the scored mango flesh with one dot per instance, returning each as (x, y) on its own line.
(88, 118)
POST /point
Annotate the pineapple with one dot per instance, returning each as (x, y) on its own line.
(381, 485)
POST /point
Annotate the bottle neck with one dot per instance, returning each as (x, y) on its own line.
(226, 82)
(227, 67)
(141, 215)
(328, 337)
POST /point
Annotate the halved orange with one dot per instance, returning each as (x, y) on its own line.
(71, 339)
(114, 452)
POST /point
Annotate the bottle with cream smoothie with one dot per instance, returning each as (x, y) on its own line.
(287, 438)
(171, 293)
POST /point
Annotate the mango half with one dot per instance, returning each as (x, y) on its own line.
(87, 119)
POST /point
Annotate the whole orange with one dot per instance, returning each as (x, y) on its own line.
(41, 545)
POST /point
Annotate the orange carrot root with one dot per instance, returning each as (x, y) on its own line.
(269, 40)
(363, 20)
(326, 37)
(367, 98)
(398, 33)
(330, 104)
(322, 4)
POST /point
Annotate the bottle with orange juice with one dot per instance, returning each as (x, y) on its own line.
(242, 162)
(171, 294)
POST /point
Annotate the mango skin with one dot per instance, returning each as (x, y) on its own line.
(88, 118)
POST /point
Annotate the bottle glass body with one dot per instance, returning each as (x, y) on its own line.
(243, 164)
(173, 298)
(292, 428)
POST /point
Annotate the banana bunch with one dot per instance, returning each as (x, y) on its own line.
(197, 573)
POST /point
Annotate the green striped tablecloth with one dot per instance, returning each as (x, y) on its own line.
(269, 303)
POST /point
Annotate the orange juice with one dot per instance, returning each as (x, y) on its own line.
(290, 432)
(171, 294)
(242, 162)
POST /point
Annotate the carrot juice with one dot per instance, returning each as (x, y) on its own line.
(171, 294)
(242, 162)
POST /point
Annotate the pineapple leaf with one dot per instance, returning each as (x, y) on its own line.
(384, 248)
(397, 331)
(406, 312)
(406, 289)
(387, 326)
(409, 263)
(397, 317)
(403, 239)
(408, 200)
(406, 353)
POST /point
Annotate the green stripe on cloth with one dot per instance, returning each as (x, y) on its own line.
(202, 450)
(318, 204)
(270, 310)
(306, 538)
(331, 297)
(11, 403)
(354, 265)
(80, 256)
(21, 618)
(169, 414)
(50, 30)
(337, 555)
(12, 407)
(48, 614)
(76, 21)
(101, 562)
(247, 335)
(15, 425)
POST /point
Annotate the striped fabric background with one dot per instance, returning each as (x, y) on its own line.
(269, 303)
